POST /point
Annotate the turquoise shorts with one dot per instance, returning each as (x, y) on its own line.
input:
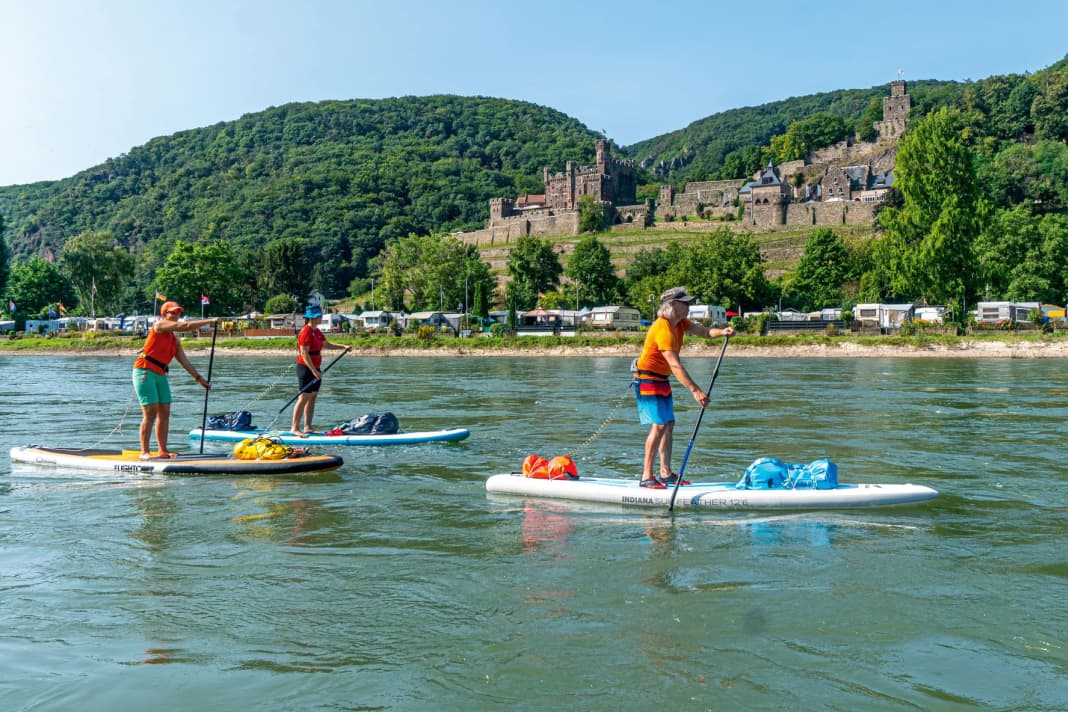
(655, 410)
(151, 387)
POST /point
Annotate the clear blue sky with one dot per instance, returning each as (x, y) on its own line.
(85, 80)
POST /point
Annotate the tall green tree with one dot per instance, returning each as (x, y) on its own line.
(205, 268)
(283, 268)
(590, 269)
(99, 268)
(1024, 257)
(823, 268)
(1049, 109)
(34, 285)
(591, 215)
(807, 135)
(534, 268)
(648, 276)
(930, 239)
(431, 272)
(724, 268)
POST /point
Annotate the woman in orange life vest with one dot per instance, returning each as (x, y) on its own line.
(150, 375)
(659, 359)
(310, 345)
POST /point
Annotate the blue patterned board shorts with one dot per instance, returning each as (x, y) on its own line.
(654, 410)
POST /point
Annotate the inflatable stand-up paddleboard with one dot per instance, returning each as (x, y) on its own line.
(710, 495)
(128, 461)
(428, 436)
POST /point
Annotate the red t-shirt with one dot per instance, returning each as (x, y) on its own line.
(311, 337)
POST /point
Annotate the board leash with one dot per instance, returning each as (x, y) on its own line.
(611, 416)
(118, 426)
(285, 374)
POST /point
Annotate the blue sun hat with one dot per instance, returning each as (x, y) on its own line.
(313, 313)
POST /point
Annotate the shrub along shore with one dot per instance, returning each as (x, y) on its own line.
(994, 345)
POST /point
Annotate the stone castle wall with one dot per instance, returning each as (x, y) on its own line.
(542, 223)
(829, 214)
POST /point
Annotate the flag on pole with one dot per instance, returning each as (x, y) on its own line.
(204, 299)
(160, 296)
(62, 309)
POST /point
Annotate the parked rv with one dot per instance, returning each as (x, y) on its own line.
(376, 320)
(708, 314)
(994, 312)
(886, 316)
(332, 322)
(622, 318)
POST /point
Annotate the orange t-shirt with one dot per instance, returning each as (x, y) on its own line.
(661, 337)
(161, 348)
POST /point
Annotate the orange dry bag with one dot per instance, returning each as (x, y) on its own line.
(536, 466)
(562, 467)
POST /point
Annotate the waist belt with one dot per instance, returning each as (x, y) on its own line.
(154, 362)
(651, 374)
(314, 353)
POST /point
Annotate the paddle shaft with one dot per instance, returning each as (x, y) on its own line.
(700, 417)
(211, 362)
(301, 391)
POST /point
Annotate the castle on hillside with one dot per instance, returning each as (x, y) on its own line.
(835, 185)
(611, 182)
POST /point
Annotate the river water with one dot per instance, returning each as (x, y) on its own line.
(399, 583)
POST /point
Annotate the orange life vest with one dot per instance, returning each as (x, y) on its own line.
(158, 352)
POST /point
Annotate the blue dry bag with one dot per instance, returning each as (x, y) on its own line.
(764, 473)
(818, 474)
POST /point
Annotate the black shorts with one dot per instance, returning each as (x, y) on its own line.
(305, 377)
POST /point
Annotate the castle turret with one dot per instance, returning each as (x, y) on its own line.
(501, 208)
(896, 108)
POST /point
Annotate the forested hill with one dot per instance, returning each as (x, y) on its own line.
(337, 179)
(342, 175)
(728, 144)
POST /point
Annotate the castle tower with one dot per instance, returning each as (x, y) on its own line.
(667, 195)
(896, 108)
(500, 208)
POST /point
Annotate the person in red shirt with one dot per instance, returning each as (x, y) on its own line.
(310, 345)
(150, 375)
(659, 360)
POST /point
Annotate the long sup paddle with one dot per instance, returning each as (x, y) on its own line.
(700, 417)
(301, 391)
(211, 362)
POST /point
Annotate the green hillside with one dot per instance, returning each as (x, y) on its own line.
(345, 176)
(701, 150)
(327, 184)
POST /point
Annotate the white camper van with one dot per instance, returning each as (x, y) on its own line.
(709, 314)
(622, 318)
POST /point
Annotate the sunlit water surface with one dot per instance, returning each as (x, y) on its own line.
(398, 583)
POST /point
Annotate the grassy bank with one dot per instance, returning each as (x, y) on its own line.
(806, 344)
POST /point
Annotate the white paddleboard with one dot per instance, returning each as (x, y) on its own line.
(710, 495)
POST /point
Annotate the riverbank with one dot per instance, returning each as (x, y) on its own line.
(1001, 346)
